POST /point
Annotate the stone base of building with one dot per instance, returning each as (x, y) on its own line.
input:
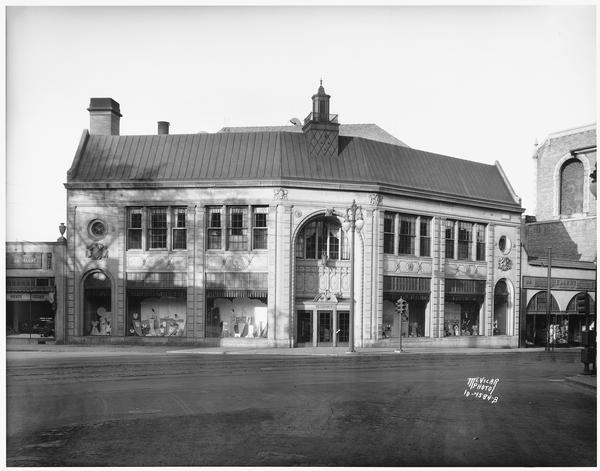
(179, 341)
(479, 341)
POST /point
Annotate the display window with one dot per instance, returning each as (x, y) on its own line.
(414, 326)
(156, 313)
(237, 317)
(461, 318)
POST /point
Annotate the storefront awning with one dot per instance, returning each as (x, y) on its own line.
(236, 293)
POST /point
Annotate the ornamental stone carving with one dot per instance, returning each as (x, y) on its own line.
(280, 194)
(96, 251)
(376, 199)
(504, 263)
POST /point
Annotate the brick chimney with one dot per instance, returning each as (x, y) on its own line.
(105, 115)
(163, 127)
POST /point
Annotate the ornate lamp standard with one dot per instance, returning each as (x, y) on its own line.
(352, 222)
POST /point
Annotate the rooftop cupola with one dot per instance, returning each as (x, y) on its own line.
(321, 128)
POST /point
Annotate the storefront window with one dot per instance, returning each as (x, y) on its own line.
(461, 318)
(156, 312)
(236, 317)
(98, 318)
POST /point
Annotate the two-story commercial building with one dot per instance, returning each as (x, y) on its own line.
(238, 237)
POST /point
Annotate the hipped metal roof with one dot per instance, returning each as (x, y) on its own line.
(282, 158)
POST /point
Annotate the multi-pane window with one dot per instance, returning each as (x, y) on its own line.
(214, 229)
(449, 236)
(157, 228)
(134, 228)
(425, 237)
(388, 233)
(480, 238)
(322, 239)
(259, 227)
(237, 228)
(179, 229)
(406, 239)
(465, 240)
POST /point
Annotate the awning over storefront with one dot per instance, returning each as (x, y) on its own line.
(156, 280)
(464, 290)
(237, 285)
(408, 287)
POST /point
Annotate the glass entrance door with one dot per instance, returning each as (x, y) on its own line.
(304, 328)
(343, 328)
(324, 334)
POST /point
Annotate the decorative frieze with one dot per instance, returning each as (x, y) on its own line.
(236, 262)
(474, 270)
(408, 266)
(156, 262)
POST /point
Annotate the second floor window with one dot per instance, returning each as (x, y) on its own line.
(425, 236)
(134, 228)
(406, 240)
(157, 228)
(465, 240)
(179, 229)
(259, 227)
(214, 229)
(237, 237)
(388, 233)
(449, 237)
(480, 235)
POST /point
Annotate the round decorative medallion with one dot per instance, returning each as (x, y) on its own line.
(97, 229)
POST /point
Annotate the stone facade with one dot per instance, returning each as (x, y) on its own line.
(269, 263)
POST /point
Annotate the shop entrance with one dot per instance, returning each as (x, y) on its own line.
(324, 328)
(305, 328)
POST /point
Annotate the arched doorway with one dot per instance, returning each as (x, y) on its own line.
(501, 308)
(97, 304)
(321, 283)
(535, 325)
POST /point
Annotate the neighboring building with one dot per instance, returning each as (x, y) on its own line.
(35, 284)
(565, 223)
(236, 238)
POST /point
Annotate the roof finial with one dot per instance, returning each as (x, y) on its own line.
(321, 82)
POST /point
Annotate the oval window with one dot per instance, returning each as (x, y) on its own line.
(504, 244)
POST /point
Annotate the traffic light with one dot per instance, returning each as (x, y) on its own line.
(582, 303)
(402, 308)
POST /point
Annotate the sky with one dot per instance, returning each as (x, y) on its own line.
(477, 82)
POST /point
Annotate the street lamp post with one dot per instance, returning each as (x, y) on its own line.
(352, 222)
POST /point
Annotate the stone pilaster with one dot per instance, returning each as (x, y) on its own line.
(196, 272)
(120, 329)
(438, 285)
(488, 311)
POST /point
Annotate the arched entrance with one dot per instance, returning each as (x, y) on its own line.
(501, 308)
(321, 283)
(535, 325)
(97, 304)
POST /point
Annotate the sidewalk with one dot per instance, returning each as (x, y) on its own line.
(312, 351)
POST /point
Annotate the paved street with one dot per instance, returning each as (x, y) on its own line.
(150, 408)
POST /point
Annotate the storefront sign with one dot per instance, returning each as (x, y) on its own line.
(572, 284)
(23, 260)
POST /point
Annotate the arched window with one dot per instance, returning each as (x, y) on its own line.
(538, 304)
(571, 187)
(322, 237)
